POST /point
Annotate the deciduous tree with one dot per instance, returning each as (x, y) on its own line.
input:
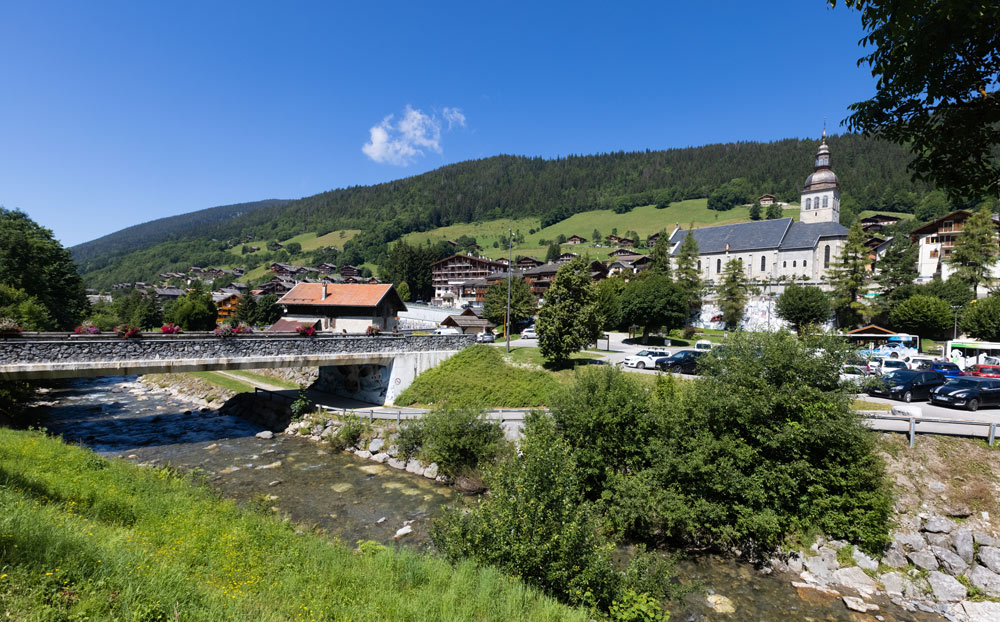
(773, 212)
(568, 320)
(981, 319)
(609, 304)
(523, 303)
(654, 301)
(926, 316)
(802, 305)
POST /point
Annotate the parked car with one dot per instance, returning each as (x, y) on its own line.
(906, 384)
(919, 362)
(854, 375)
(983, 371)
(644, 358)
(529, 333)
(485, 338)
(419, 302)
(887, 365)
(703, 344)
(683, 362)
(969, 393)
(447, 330)
(874, 363)
(947, 369)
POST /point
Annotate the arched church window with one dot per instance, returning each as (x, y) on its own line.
(826, 256)
(784, 264)
(763, 263)
(808, 203)
(699, 265)
(826, 201)
(803, 263)
(793, 263)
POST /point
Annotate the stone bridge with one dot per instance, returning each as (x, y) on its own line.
(371, 369)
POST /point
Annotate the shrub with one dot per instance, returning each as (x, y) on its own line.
(231, 330)
(410, 439)
(459, 440)
(349, 434)
(633, 607)
(690, 332)
(982, 319)
(301, 406)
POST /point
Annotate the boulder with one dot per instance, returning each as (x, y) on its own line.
(990, 557)
(856, 604)
(894, 557)
(987, 581)
(721, 604)
(795, 564)
(414, 466)
(830, 557)
(814, 594)
(952, 563)
(961, 540)
(946, 588)
(984, 539)
(910, 541)
(913, 590)
(392, 451)
(380, 458)
(266, 435)
(818, 568)
(938, 524)
(942, 540)
(981, 612)
(863, 561)
(363, 454)
(892, 582)
(376, 445)
(396, 464)
(936, 487)
(431, 471)
(923, 559)
(855, 578)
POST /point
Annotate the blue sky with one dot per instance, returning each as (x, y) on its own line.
(115, 113)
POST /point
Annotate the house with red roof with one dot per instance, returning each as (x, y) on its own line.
(343, 307)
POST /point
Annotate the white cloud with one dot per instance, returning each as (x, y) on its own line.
(454, 117)
(402, 142)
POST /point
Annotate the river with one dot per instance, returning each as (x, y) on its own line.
(353, 499)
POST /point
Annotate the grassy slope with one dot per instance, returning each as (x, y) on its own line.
(86, 538)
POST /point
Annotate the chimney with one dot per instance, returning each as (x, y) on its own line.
(324, 291)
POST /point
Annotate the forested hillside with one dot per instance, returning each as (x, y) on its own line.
(154, 231)
(873, 176)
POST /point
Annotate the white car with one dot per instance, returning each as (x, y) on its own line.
(919, 362)
(529, 333)
(888, 365)
(645, 358)
(854, 375)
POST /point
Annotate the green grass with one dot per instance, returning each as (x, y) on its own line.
(526, 355)
(277, 382)
(866, 405)
(479, 377)
(84, 538)
(223, 381)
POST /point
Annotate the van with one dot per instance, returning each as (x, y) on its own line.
(703, 344)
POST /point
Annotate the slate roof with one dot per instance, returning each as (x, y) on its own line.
(807, 235)
(782, 233)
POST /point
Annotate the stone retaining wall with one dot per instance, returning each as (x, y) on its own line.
(28, 350)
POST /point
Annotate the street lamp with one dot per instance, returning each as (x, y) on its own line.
(510, 247)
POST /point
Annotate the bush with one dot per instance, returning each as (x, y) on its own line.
(301, 406)
(410, 439)
(459, 441)
(689, 332)
(927, 316)
(349, 433)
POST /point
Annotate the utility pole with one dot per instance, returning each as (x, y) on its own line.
(510, 269)
(955, 308)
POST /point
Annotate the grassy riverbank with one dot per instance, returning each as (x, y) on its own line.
(86, 538)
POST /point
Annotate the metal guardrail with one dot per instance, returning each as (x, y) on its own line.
(509, 415)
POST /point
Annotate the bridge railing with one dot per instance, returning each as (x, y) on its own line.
(158, 336)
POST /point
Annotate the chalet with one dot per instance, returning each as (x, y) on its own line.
(566, 257)
(540, 277)
(288, 326)
(448, 274)
(168, 293)
(626, 242)
(528, 262)
(575, 239)
(468, 322)
(767, 199)
(651, 240)
(936, 240)
(613, 239)
(344, 308)
(876, 223)
(225, 304)
(623, 253)
(277, 286)
(502, 261)
(347, 270)
(284, 269)
(326, 268)
(620, 267)
(642, 262)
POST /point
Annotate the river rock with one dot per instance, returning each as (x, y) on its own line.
(923, 559)
(830, 557)
(396, 464)
(984, 539)
(942, 540)
(855, 579)
(266, 435)
(952, 563)
(814, 594)
(273, 465)
(990, 557)
(987, 581)
(402, 531)
(392, 451)
(961, 540)
(909, 541)
(981, 612)
(721, 604)
(794, 563)
(380, 458)
(938, 524)
(431, 471)
(914, 590)
(274, 483)
(376, 445)
(364, 453)
(856, 604)
(946, 588)
(936, 487)
(894, 557)
(865, 562)
(818, 568)
(892, 582)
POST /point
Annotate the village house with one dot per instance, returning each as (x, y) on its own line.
(468, 322)
(528, 262)
(344, 308)
(878, 222)
(575, 239)
(767, 199)
(449, 274)
(347, 270)
(225, 304)
(935, 242)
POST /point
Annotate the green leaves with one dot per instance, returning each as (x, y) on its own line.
(981, 319)
(926, 316)
(801, 305)
(568, 320)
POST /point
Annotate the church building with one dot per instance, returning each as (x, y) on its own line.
(781, 247)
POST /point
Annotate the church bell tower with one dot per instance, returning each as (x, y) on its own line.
(821, 195)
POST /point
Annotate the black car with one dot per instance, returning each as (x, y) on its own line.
(683, 362)
(906, 384)
(968, 392)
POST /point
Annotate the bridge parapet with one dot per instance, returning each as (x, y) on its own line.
(52, 356)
